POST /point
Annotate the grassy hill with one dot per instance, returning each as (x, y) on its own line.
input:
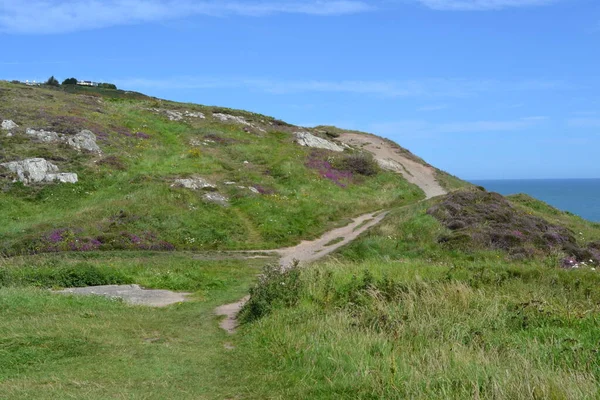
(465, 296)
(279, 192)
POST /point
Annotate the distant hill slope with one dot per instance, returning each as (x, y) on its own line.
(255, 187)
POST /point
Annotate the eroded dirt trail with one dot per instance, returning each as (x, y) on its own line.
(391, 158)
(306, 252)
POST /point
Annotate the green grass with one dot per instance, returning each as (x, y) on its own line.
(397, 315)
(134, 177)
(56, 346)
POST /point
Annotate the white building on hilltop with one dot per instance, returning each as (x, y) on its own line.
(87, 83)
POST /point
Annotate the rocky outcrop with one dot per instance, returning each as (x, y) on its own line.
(8, 125)
(195, 183)
(310, 140)
(216, 198)
(173, 115)
(43, 136)
(84, 140)
(235, 119)
(38, 170)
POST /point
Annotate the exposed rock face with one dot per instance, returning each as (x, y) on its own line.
(179, 115)
(8, 125)
(216, 198)
(84, 140)
(38, 170)
(235, 119)
(43, 136)
(310, 140)
(196, 183)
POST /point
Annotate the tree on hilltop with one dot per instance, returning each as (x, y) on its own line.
(70, 81)
(52, 81)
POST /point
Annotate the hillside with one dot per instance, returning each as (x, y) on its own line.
(364, 272)
(253, 185)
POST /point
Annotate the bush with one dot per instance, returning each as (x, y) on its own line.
(107, 86)
(277, 287)
(52, 81)
(480, 219)
(361, 163)
(70, 81)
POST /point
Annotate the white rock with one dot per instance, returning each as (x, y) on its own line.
(231, 118)
(236, 119)
(194, 114)
(196, 183)
(254, 190)
(84, 140)
(229, 183)
(8, 125)
(64, 177)
(309, 140)
(178, 115)
(43, 136)
(37, 170)
(216, 198)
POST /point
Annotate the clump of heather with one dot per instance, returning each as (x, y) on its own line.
(479, 219)
(318, 160)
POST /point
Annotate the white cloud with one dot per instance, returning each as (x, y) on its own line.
(60, 16)
(407, 88)
(481, 5)
(421, 128)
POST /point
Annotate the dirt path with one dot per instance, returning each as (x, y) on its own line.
(388, 157)
(391, 158)
(307, 252)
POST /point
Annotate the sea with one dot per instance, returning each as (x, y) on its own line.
(578, 196)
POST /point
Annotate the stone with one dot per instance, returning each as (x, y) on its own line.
(173, 115)
(254, 190)
(63, 177)
(84, 140)
(194, 114)
(43, 136)
(310, 140)
(195, 183)
(38, 170)
(8, 125)
(179, 115)
(216, 198)
(236, 119)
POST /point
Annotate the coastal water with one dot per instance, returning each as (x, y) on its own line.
(578, 196)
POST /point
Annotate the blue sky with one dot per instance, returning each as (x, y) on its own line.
(480, 88)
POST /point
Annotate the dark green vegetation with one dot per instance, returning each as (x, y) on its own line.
(479, 219)
(400, 315)
(125, 198)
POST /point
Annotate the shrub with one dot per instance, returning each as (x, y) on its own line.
(107, 86)
(70, 81)
(480, 219)
(361, 163)
(52, 81)
(277, 287)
